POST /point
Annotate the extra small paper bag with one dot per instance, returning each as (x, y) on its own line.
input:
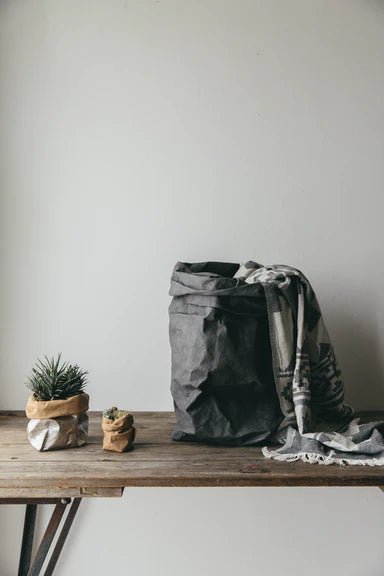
(119, 434)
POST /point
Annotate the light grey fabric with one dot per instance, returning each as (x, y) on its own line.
(317, 426)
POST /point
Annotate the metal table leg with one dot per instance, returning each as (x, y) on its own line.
(62, 537)
(47, 539)
(27, 544)
(29, 566)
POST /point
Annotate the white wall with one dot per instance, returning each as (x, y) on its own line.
(137, 133)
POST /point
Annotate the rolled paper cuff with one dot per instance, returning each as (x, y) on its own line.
(40, 409)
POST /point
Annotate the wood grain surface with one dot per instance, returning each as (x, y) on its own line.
(155, 461)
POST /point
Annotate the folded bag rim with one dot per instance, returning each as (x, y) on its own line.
(196, 279)
(121, 424)
(42, 409)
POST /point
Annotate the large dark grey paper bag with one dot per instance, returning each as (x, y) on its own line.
(222, 378)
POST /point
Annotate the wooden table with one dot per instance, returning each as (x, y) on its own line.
(64, 477)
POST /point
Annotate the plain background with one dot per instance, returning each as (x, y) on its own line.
(135, 133)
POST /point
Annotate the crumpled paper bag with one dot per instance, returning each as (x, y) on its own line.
(58, 424)
(119, 434)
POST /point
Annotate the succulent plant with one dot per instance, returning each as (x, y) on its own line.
(114, 413)
(53, 379)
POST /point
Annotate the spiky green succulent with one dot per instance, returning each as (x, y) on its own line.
(114, 413)
(53, 379)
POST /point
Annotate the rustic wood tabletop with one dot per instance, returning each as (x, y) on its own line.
(155, 461)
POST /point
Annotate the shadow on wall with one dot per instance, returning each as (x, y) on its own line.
(11, 530)
(354, 331)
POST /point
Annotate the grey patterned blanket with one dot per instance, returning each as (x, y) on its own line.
(318, 427)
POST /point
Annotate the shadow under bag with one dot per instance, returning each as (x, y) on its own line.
(222, 375)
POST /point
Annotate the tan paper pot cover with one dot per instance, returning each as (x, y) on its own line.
(41, 409)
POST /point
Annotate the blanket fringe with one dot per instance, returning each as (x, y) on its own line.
(313, 458)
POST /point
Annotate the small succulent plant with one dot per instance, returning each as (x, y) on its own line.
(53, 379)
(114, 413)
